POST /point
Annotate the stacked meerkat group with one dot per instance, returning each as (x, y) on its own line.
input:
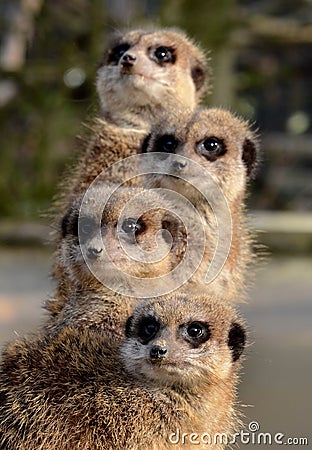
(142, 344)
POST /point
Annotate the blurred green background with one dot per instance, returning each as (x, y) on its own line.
(261, 55)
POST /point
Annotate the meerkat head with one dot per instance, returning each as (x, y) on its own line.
(145, 72)
(108, 234)
(212, 147)
(182, 340)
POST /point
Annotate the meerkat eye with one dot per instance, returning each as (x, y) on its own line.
(211, 148)
(164, 54)
(116, 53)
(86, 227)
(197, 332)
(148, 328)
(166, 144)
(133, 226)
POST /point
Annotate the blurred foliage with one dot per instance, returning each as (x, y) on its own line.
(260, 71)
(211, 22)
(39, 125)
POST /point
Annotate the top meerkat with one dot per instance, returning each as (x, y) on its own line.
(147, 72)
(143, 75)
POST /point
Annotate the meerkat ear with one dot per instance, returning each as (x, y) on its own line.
(65, 225)
(69, 224)
(145, 143)
(175, 227)
(128, 326)
(236, 340)
(198, 73)
(250, 156)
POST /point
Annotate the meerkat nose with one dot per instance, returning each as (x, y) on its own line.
(94, 253)
(179, 165)
(127, 60)
(158, 352)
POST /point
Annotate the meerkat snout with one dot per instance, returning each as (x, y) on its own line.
(179, 165)
(158, 352)
(127, 60)
(94, 253)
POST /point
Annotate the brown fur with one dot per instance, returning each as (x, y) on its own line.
(107, 144)
(229, 171)
(75, 391)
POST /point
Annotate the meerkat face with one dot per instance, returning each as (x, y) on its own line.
(181, 340)
(104, 241)
(151, 69)
(213, 148)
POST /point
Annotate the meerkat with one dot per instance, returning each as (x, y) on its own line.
(142, 75)
(208, 158)
(146, 72)
(172, 378)
(117, 247)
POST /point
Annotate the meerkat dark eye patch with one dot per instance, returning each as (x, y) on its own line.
(166, 144)
(236, 340)
(250, 156)
(116, 53)
(148, 327)
(195, 332)
(164, 54)
(211, 148)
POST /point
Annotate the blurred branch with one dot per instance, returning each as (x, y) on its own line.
(285, 232)
(25, 233)
(285, 30)
(296, 146)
